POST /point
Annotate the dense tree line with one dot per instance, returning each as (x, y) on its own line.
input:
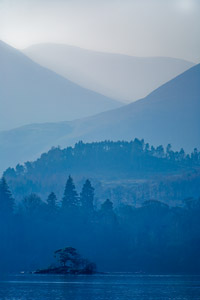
(108, 157)
(123, 171)
(152, 238)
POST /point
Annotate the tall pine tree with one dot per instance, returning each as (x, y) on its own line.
(52, 207)
(6, 199)
(70, 197)
(87, 196)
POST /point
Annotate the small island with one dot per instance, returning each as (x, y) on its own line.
(69, 261)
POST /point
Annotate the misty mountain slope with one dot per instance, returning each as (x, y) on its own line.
(28, 142)
(168, 115)
(118, 76)
(30, 93)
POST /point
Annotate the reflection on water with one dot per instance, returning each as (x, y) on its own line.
(99, 287)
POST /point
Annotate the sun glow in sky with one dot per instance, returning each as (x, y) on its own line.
(134, 27)
(186, 5)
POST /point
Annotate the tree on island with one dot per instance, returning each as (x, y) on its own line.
(67, 256)
(70, 262)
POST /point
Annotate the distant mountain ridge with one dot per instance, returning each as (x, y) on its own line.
(30, 93)
(168, 115)
(118, 76)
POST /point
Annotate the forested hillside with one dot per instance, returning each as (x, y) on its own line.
(129, 172)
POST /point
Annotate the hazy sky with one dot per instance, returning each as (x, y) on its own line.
(135, 27)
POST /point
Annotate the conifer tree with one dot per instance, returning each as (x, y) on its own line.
(107, 213)
(52, 201)
(107, 206)
(70, 197)
(6, 199)
(87, 196)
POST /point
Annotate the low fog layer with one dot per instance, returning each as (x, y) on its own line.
(121, 77)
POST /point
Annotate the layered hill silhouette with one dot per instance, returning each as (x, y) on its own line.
(121, 77)
(31, 93)
(170, 114)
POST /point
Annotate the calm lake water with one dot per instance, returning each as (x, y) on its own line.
(99, 287)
